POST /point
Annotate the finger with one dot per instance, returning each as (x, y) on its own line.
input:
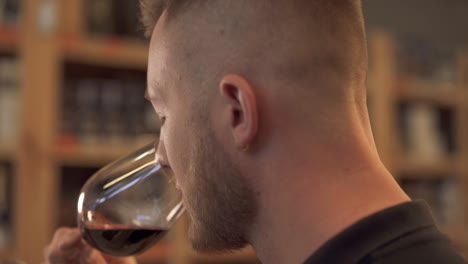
(65, 246)
(91, 256)
(58, 257)
(64, 234)
(71, 241)
(115, 260)
(119, 260)
(46, 252)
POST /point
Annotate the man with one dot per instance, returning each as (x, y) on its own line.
(266, 129)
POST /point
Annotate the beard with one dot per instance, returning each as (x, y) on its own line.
(219, 201)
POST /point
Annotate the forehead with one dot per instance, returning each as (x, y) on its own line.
(158, 62)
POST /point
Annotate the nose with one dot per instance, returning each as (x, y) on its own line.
(161, 155)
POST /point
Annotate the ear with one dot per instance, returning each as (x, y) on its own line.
(242, 105)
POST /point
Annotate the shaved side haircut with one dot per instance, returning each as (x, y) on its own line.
(316, 45)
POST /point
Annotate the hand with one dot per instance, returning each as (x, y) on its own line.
(67, 247)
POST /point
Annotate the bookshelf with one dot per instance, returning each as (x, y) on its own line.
(442, 177)
(105, 51)
(92, 155)
(9, 39)
(424, 170)
(443, 94)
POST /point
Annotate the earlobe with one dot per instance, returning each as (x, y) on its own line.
(243, 109)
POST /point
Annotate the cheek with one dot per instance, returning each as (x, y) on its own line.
(176, 143)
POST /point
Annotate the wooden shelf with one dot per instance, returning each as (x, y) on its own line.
(109, 52)
(95, 155)
(9, 39)
(443, 94)
(413, 169)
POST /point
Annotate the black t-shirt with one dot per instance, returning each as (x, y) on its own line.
(405, 233)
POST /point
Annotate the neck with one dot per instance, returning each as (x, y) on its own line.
(294, 226)
(310, 198)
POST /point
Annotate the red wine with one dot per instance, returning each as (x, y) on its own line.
(122, 240)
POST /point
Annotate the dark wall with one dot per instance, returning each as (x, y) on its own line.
(444, 21)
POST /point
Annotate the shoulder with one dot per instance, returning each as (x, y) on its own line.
(427, 245)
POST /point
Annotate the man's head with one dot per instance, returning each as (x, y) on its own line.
(229, 78)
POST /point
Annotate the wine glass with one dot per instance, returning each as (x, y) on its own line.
(128, 205)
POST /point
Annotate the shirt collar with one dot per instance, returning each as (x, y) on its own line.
(372, 232)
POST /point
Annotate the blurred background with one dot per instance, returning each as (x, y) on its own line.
(72, 78)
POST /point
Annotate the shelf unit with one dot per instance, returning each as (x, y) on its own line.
(442, 94)
(9, 39)
(108, 52)
(387, 91)
(415, 169)
(92, 155)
